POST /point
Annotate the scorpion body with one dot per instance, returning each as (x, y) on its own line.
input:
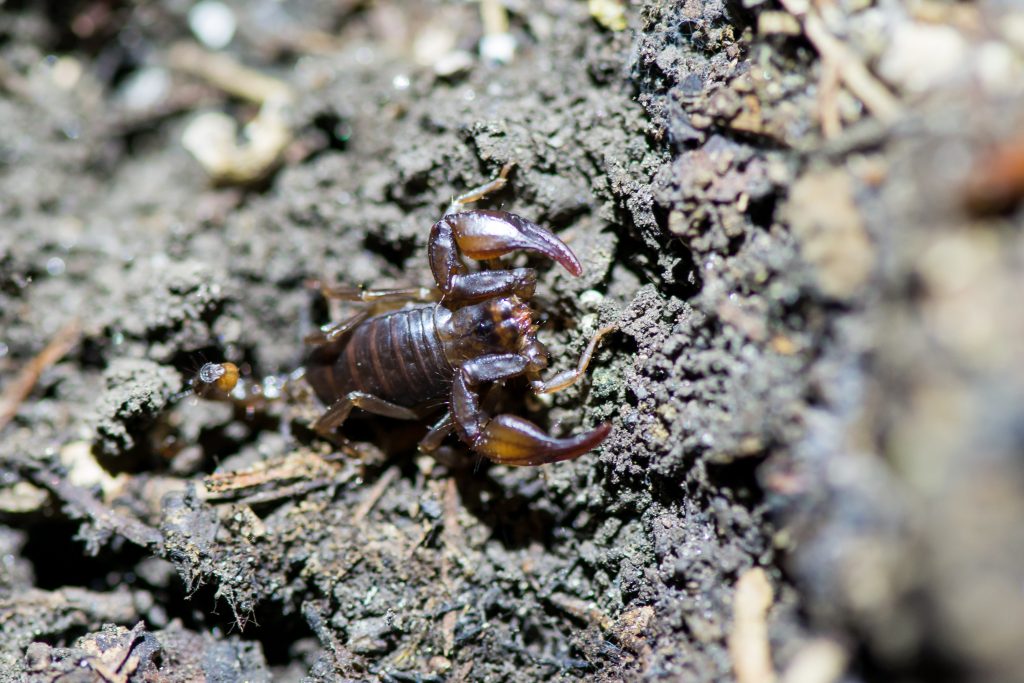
(473, 330)
(397, 356)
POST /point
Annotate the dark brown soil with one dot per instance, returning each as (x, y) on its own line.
(818, 371)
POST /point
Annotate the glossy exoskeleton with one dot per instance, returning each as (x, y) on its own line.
(441, 354)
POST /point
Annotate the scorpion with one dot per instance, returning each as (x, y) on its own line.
(447, 345)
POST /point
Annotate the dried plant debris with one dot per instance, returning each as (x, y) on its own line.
(804, 217)
(116, 654)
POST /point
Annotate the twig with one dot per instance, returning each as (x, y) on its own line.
(748, 642)
(21, 386)
(294, 490)
(299, 467)
(452, 530)
(828, 100)
(494, 17)
(225, 73)
(868, 89)
(85, 504)
(581, 609)
(497, 44)
(315, 612)
(374, 495)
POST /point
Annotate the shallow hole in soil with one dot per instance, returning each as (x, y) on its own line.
(51, 544)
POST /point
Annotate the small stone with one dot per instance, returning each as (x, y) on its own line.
(145, 89)
(37, 657)
(611, 14)
(454, 63)
(213, 24)
(777, 23)
(498, 48)
(591, 298)
(923, 56)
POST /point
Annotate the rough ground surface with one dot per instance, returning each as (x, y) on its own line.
(818, 371)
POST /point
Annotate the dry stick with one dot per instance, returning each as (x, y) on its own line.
(828, 100)
(85, 504)
(748, 642)
(494, 17)
(19, 388)
(227, 74)
(374, 495)
(581, 609)
(292, 490)
(452, 529)
(315, 613)
(868, 89)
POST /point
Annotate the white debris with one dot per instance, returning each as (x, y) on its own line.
(145, 88)
(498, 48)
(213, 23)
(454, 63)
(921, 57)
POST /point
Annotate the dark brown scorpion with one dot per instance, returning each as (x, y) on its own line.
(474, 330)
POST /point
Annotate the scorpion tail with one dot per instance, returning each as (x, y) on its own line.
(509, 440)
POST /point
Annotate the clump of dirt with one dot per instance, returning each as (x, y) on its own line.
(807, 241)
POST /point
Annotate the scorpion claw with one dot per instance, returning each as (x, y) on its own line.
(509, 440)
(483, 235)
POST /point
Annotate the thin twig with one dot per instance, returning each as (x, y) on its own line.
(315, 612)
(748, 642)
(374, 495)
(868, 89)
(227, 74)
(83, 503)
(452, 530)
(828, 100)
(21, 386)
(494, 17)
(292, 491)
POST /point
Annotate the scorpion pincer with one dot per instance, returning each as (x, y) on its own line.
(443, 352)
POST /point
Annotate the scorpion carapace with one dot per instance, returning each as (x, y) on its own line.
(441, 354)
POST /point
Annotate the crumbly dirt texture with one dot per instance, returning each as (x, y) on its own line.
(805, 218)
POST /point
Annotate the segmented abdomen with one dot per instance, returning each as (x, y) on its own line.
(396, 356)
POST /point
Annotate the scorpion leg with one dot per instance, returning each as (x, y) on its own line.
(327, 424)
(433, 438)
(339, 411)
(374, 296)
(484, 235)
(480, 191)
(510, 440)
(566, 378)
(332, 332)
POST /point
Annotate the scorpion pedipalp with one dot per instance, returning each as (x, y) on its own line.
(510, 440)
(483, 235)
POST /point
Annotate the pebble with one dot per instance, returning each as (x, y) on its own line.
(213, 24)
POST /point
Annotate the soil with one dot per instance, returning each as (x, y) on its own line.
(809, 236)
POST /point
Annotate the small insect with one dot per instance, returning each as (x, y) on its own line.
(446, 346)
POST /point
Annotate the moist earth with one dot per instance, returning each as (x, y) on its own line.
(813, 255)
